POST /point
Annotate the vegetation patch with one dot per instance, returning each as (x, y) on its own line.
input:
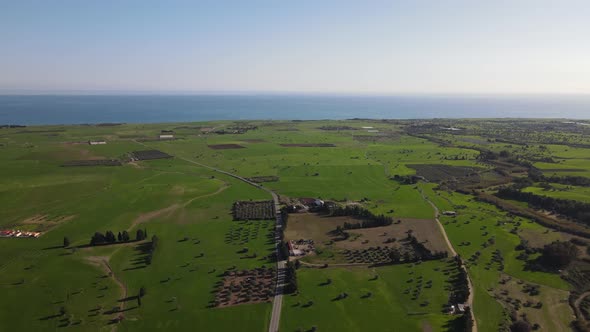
(260, 179)
(245, 287)
(149, 155)
(43, 222)
(253, 210)
(253, 140)
(440, 173)
(337, 128)
(92, 162)
(308, 145)
(226, 146)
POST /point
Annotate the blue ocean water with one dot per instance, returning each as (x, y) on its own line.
(77, 109)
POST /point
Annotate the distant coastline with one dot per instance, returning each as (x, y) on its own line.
(139, 108)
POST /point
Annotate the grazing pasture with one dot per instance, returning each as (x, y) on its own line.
(200, 249)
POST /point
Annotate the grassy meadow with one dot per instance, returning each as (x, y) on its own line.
(188, 207)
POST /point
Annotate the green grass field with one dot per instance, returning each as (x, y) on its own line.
(45, 286)
(389, 298)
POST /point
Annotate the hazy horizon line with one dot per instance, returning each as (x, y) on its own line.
(67, 92)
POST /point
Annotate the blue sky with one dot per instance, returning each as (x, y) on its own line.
(296, 46)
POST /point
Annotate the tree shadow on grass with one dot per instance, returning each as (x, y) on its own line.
(50, 317)
(128, 298)
(135, 268)
(52, 248)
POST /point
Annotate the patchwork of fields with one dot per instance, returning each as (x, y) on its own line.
(168, 279)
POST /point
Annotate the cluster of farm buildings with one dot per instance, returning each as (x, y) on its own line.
(300, 247)
(17, 233)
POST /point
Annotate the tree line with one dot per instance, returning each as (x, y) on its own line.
(460, 292)
(570, 180)
(369, 219)
(569, 208)
(109, 237)
(290, 286)
(421, 253)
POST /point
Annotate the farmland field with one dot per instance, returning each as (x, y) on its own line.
(190, 231)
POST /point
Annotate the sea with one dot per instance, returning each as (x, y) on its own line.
(89, 109)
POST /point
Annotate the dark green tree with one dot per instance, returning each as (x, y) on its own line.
(139, 235)
(395, 255)
(520, 326)
(66, 242)
(110, 237)
(559, 254)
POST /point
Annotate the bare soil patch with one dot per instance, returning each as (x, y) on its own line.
(320, 228)
(145, 217)
(226, 146)
(43, 222)
(376, 241)
(426, 230)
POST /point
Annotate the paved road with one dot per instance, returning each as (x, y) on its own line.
(454, 253)
(277, 302)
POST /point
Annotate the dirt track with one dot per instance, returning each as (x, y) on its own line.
(454, 253)
(145, 217)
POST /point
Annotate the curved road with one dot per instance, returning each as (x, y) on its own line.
(454, 253)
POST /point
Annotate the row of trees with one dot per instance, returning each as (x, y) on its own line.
(570, 208)
(463, 323)
(368, 218)
(290, 279)
(537, 176)
(460, 282)
(109, 237)
(422, 253)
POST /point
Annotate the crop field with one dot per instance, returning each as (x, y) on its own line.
(201, 253)
(257, 210)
